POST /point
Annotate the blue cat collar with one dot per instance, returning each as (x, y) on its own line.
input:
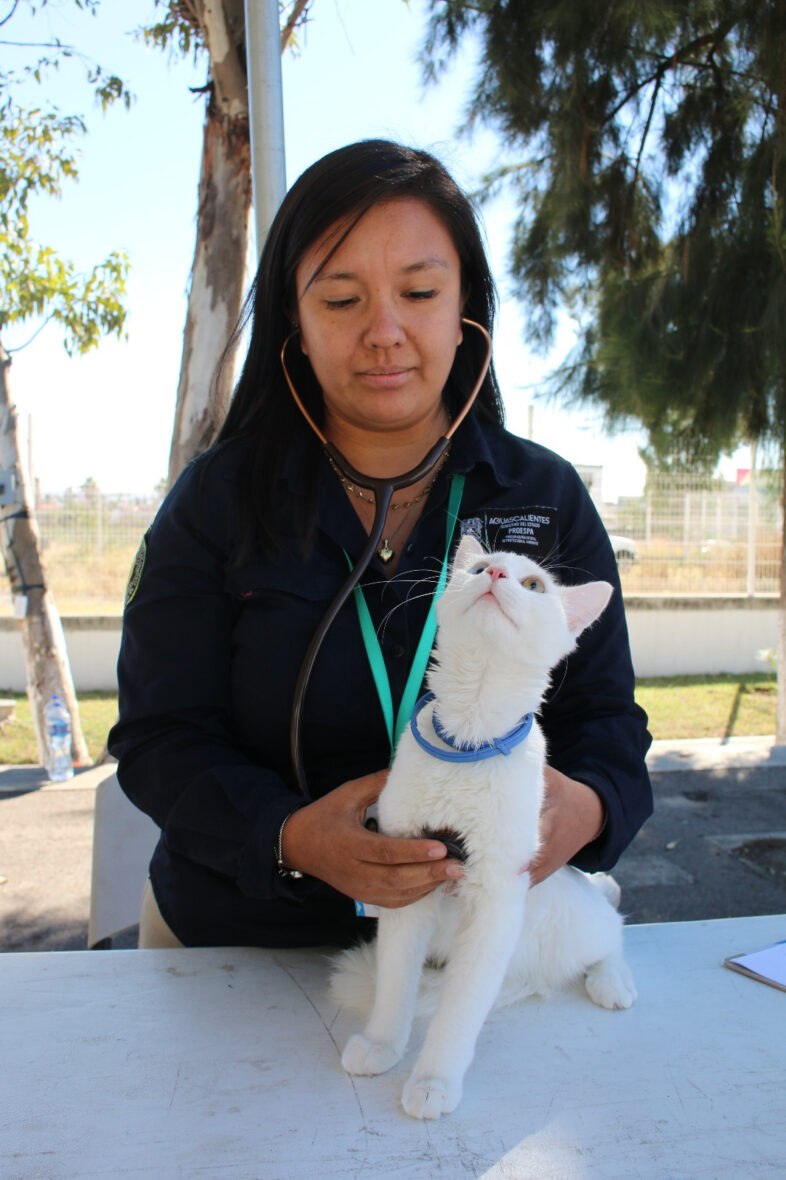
(463, 751)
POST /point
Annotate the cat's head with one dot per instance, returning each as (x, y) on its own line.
(511, 605)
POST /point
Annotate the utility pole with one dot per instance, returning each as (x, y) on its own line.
(266, 113)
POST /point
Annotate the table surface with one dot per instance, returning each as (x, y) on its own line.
(225, 1064)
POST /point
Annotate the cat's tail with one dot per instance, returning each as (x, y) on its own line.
(353, 981)
(352, 977)
(608, 887)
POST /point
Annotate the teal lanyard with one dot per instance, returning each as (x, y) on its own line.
(425, 644)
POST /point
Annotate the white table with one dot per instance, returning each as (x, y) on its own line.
(225, 1064)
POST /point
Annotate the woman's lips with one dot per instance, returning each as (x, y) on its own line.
(384, 378)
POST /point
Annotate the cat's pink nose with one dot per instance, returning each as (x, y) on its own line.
(495, 572)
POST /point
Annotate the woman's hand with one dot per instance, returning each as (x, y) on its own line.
(571, 817)
(326, 839)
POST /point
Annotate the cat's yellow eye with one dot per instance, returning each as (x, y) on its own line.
(479, 567)
(535, 584)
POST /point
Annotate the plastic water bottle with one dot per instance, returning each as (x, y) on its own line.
(58, 740)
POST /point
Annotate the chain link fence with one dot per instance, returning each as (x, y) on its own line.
(683, 536)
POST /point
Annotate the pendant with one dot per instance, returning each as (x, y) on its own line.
(385, 552)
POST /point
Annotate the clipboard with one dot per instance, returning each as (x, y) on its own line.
(767, 965)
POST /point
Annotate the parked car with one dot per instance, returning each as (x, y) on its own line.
(625, 550)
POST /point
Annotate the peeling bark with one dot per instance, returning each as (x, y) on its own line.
(217, 287)
(218, 273)
(46, 655)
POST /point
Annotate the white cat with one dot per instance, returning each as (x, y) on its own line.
(503, 625)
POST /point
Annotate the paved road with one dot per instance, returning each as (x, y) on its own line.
(715, 847)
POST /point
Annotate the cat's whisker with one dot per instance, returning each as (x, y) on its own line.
(554, 688)
(416, 575)
(409, 599)
(426, 577)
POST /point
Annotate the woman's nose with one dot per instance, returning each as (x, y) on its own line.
(384, 329)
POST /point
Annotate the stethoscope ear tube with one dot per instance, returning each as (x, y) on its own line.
(383, 490)
(315, 644)
(383, 494)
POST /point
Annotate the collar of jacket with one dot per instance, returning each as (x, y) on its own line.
(475, 444)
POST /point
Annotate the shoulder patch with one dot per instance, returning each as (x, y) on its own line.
(136, 572)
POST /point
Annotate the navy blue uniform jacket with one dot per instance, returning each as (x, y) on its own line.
(212, 645)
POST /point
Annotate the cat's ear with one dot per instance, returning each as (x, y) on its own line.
(584, 604)
(469, 551)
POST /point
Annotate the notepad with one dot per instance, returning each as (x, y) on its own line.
(767, 965)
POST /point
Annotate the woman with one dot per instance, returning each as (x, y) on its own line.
(372, 282)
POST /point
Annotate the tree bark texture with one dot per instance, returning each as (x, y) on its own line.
(218, 273)
(46, 655)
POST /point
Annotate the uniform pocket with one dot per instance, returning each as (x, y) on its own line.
(271, 584)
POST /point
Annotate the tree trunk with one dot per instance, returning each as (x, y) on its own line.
(218, 278)
(218, 273)
(46, 656)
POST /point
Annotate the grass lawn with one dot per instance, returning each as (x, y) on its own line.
(678, 707)
(709, 706)
(98, 711)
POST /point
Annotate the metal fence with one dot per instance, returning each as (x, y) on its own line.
(682, 536)
(89, 540)
(693, 536)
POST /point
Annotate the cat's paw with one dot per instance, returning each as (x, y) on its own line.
(610, 984)
(428, 1098)
(366, 1057)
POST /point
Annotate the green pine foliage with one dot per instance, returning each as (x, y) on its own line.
(648, 158)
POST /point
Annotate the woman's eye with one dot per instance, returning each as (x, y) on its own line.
(338, 304)
(479, 567)
(534, 584)
(419, 295)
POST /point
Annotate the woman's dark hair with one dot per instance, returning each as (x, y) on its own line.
(340, 188)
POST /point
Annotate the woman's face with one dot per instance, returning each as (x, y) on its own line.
(381, 322)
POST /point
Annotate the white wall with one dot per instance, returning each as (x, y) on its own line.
(690, 636)
(93, 644)
(669, 637)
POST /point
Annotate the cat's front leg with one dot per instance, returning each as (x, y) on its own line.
(403, 936)
(473, 977)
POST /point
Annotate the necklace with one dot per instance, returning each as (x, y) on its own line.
(386, 552)
(355, 491)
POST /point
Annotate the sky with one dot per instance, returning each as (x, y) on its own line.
(108, 415)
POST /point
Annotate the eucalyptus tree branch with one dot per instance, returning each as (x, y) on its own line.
(39, 329)
(299, 9)
(186, 11)
(7, 18)
(37, 44)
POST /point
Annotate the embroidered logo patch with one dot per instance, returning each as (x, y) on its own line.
(136, 572)
(531, 530)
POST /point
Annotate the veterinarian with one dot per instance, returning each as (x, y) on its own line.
(367, 319)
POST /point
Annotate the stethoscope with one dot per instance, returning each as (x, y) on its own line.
(384, 489)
